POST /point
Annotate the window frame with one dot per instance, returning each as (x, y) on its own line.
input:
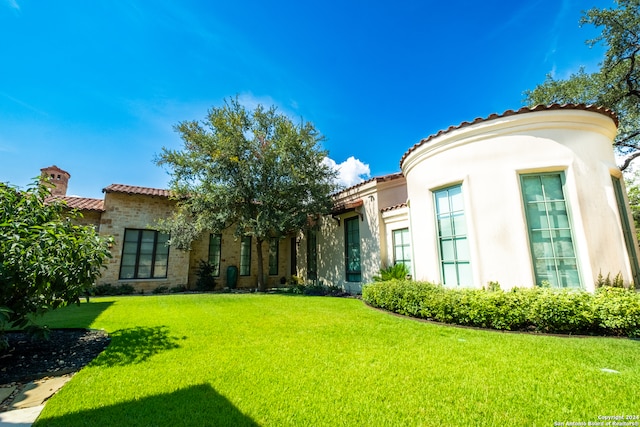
(352, 242)
(154, 255)
(213, 250)
(625, 224)
(552, 231)
(312, 255)
(245, 256)
(405, 246)
(455, 238)
(274, 259)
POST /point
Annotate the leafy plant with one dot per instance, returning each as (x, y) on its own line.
(394, 272)
(206, 276)
(160, 290)
(616, 282)
(46, 260)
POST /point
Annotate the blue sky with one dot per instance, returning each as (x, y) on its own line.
(95, 87)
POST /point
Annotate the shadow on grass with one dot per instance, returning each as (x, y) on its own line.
(199, 405)
(135, 345)
(74, 315)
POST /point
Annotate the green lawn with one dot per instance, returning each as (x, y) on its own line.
(275, 360)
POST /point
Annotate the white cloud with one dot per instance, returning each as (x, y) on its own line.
(350, 172)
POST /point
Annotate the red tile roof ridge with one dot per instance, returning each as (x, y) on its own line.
(133, 189)
(394, 207)
(540, 107)
(80, 203)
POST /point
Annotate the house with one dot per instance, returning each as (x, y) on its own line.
(523, 198)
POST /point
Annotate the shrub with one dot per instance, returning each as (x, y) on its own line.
(206, 276)
(178, 289)
(610, 311)
(393, 272)
(108, 289)
(160, 290)
(617, 282)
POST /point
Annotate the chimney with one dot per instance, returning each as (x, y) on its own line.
(58, 179)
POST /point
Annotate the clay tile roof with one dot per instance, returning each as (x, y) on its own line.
(346, 207)
(394, 207)
(383, 178)
(132, 189)
(602, 110)
(81, 203)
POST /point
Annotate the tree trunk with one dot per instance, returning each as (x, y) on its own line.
(262, 286)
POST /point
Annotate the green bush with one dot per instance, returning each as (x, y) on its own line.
(394, 272)
(109, 289)
(178, 289)
(160, 290)
(206, 276)
(610, 311)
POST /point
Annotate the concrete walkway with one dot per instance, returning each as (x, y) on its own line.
(28, 402)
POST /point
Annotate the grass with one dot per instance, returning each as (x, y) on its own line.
(275, 360)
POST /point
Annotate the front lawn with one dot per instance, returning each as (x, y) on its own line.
(275, 360)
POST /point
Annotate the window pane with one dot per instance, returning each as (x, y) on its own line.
(444, 227)
(455, 194)
(537, 216)
(442, 202)
(532, 189)
(447, 250)
(568, 273)
(552, 249)
(562, 244)
(449, 274)
(127, 271)
(464, 274)
(459, 224)
(462, 249)
(552, 187)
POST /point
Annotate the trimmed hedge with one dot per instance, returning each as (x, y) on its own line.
(608, 311)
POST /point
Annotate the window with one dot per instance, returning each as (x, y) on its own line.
(145, 255)
(274, 249)
(352, 249)
(453, 245)
(552, 250)
(626, 230)
(215, 252)
(312, 255)
(245, 256)
(401, 247)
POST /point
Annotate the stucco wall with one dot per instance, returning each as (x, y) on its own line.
(487, 159)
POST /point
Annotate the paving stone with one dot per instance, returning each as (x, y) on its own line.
(37, 392)
(6, 392)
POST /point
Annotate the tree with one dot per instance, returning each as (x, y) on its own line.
(616, 85)
(46, 261)
(255, 170)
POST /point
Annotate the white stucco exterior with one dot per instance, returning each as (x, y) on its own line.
(487, 159)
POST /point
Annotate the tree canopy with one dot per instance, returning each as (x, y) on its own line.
(46, 260)
(616, 85)
(254, 170)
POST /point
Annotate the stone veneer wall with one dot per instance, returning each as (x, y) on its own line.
(139, 211)
(231, 257)
(89, 218)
